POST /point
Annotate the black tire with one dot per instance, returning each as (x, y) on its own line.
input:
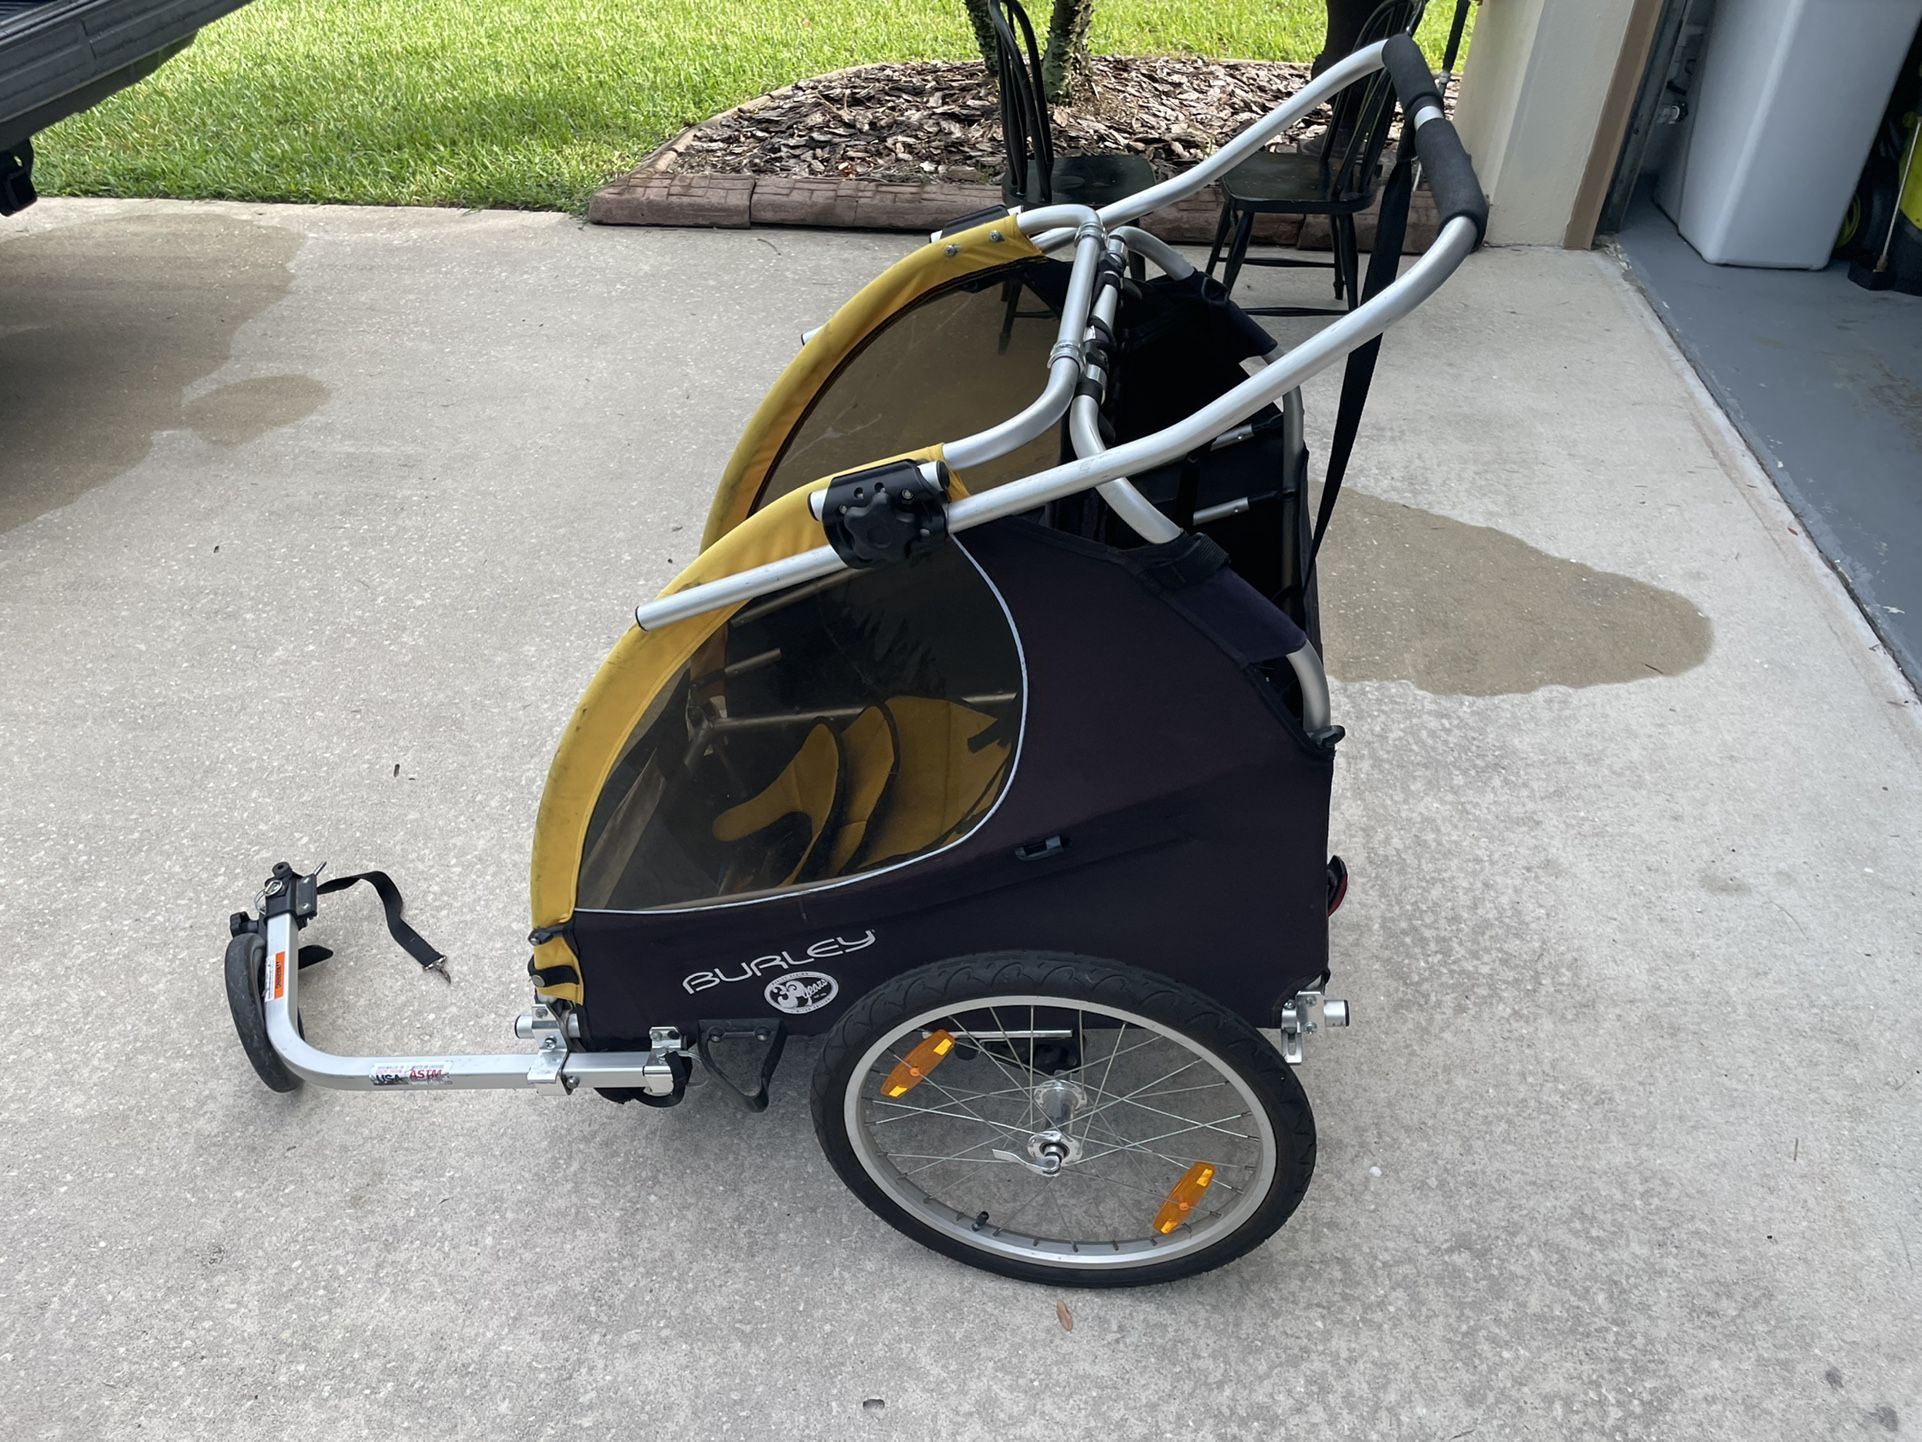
(1180, 1009)
(246, 986)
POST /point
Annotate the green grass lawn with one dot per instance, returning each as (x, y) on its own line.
(533, 103)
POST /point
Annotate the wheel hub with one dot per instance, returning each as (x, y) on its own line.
(1058, 1100)
(1047, 1152)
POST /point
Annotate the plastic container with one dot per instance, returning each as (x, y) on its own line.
(1781, 117)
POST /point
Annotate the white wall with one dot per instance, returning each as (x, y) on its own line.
(1531, 100)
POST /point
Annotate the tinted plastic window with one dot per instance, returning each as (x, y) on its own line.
(957, 362)
(843, 726)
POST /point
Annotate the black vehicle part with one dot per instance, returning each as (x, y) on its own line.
(1337, 883)
(246, 966)
(1198, 782)
(59, 59)
(886, 513)
(972, 219)
(771, 1035)
(16, 178)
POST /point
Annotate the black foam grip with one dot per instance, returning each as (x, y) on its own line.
(1408, 69)
(1445, 165)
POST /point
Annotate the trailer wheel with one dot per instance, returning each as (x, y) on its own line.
(246, 999)
(1063, 1120)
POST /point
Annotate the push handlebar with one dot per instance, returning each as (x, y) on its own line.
(1464, 214)
(1451, 176)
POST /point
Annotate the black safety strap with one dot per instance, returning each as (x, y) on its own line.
(1358, 375)
(1188, 490)
(393, 904)
(1455, 29)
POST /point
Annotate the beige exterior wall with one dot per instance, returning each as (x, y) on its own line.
(1532, 96)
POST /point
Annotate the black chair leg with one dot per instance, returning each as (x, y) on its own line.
(1244, 231)
(1350, 257)
(1011, 301)
(1221, 238)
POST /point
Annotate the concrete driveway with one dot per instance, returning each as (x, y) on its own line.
(319, 519)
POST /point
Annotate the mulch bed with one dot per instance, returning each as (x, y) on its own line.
(911, 146)
(938, 120)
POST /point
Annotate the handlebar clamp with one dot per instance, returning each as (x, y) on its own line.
(887, 513)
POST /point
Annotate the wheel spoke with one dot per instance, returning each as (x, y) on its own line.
(1101, 1087)
(1177, 1091)
(1025, 1088)
(909, 1110)
(1061, 1213)
(910, 1113)
(1168, 1076)
(1179, 1131)
(1115, 1142)
(1128, 1050)
(962, 1155)
(1083, 1169)
(1180, 1163)
(1040, 1191)
(930, 1081)
(1027, 1085)
(1175, 1116)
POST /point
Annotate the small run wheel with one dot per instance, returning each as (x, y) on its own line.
(246, 999)
(1063, 1120)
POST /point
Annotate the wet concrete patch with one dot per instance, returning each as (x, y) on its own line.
(1458, 609)
(104, 328)
(232, 415)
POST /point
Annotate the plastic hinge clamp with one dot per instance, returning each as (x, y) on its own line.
(886, 513)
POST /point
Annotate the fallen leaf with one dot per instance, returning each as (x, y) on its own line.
(1064, 1316)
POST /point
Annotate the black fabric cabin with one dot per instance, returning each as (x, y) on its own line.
(1126, 777)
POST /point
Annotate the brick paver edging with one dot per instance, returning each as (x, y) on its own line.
(651, 197)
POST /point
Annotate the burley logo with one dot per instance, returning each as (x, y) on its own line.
(782, 961)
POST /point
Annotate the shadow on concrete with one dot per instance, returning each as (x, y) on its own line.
(1409, 595)
(105, 326)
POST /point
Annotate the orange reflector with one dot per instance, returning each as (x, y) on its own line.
(932, 1051)
(1181, 1201)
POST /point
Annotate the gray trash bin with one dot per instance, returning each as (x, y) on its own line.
(1781, 117)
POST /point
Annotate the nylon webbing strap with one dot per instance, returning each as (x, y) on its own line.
(1359, 374)
(393, 905)
(1455, 29)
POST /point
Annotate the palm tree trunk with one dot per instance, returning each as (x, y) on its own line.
(983, 29)
(1064, 64)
